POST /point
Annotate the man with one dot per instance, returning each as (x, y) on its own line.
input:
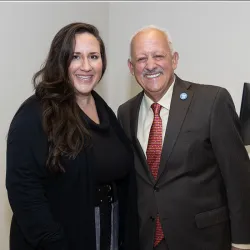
(193, 172)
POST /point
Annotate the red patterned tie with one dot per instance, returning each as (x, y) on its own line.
(153, 158)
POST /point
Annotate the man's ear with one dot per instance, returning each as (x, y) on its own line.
(130, 66)
(175, 59)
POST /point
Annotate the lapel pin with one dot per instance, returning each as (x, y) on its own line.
(183, 96)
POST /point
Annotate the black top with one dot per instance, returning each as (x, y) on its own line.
(56, 211)
(111, 158)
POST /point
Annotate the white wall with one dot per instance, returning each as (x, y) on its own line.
(213, 41)
(27, 30)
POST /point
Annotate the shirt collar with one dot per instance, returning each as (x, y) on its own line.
(165, 101)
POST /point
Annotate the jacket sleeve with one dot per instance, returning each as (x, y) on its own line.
(234, 164)
(129, 190)
(123, 119)
(25, 177)
(129, 213)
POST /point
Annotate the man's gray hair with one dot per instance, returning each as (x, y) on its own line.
(167, 34)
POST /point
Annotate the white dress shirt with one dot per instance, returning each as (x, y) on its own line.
(146, 117)
(145, 120)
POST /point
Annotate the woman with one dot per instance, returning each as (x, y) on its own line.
(70, 178)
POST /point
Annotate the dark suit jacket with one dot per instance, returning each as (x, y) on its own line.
(56, 211)
(202, 193)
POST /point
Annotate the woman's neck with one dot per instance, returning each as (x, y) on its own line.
(87, 105)
(85, 100)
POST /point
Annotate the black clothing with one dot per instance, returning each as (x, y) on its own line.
(56, 211)
(111, 158)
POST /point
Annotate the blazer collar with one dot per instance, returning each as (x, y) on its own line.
(181, 100)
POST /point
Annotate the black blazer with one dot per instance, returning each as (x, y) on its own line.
(56, 211)
(202, 192)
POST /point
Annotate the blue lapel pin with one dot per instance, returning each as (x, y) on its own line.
(183, 96)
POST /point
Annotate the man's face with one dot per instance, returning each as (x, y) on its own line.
(152, 62)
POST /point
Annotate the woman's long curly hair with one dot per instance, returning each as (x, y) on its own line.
(62, 123)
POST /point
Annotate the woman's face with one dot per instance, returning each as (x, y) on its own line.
(85, 69)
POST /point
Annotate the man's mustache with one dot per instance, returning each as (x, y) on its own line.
(152, 72)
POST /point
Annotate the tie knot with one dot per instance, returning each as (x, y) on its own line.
(156, 107)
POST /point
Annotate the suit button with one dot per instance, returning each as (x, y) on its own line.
(120, 244)
(152, 218)
(156, 189)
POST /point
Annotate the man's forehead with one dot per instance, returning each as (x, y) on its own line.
(149, 33)
(149, 41)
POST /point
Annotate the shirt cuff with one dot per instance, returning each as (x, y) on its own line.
(241, 246)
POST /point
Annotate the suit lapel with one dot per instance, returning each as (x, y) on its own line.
(142, 169)
(178, 111)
